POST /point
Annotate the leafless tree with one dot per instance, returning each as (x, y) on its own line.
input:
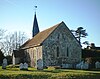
(2, 32)
(13, 42)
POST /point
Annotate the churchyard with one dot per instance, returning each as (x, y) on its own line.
(23, 71)
(14, 72)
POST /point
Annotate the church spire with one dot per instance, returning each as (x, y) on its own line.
(35, 29)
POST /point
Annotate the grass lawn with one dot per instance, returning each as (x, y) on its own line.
(51, 73)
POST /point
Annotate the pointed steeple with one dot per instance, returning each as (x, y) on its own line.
(35, 29)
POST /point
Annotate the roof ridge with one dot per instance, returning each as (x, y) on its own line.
(52, 26)
(49, 28)
(41, 36)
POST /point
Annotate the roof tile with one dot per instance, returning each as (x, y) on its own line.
(40, 37)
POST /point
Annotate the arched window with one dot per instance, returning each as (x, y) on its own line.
(58, 36)
(57, 51)
(67, 52)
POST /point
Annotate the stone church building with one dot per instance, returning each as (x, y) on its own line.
(54, 46)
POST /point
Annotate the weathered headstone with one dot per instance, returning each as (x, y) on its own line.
(21, 66)
(78, 66)
(82, 65)
(4, 64)
(97, 65)
(39, 64)
(25, 65)
(85, 66)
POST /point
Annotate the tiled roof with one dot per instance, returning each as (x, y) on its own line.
(40, 37)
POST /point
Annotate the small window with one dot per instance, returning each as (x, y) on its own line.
(57, 51)
(58, 37)
(67, 52)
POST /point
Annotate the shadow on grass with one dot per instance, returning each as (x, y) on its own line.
(52, 70)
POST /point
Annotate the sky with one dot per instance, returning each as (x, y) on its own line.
(18, 15)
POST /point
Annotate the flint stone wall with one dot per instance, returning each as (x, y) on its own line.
(61, 41)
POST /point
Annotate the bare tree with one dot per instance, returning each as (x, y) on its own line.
(13, 41)
(2, 32)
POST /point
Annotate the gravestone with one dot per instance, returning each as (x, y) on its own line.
(78, 66)
(97, 65)
(85, 66)
(25, 65)
(82, 65)
(63, 65)
(39, 64)
(21, 66)
(4, 64)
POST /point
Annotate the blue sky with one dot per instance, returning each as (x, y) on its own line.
(18, 15)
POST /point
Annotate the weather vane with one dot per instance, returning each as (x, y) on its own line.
(35, 8)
